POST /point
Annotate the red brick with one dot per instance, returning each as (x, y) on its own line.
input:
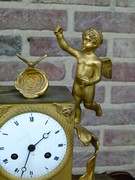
(80, 158)
(105, 21)
(119, 137)
(100, 94)
(109, 117)
(104, 158)
(125, 3)
(123, 72)
(102, 50)
(123, 94)
(49, 45)
(36, 19)
(10, 45)
(10, 70)
(124, 48)
(45, 45)
(86, 2)
(55, 71)
(115, 158)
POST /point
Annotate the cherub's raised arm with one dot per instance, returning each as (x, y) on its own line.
(63, 43)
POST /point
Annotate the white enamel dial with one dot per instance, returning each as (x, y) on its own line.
(31, 145)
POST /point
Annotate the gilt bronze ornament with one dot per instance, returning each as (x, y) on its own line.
(32, 82)
(36, 135)
(87, 138)
(54, 115)
(89, 71)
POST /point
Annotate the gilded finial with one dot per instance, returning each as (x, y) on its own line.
(31, 64)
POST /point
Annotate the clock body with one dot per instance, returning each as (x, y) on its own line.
(36, 135)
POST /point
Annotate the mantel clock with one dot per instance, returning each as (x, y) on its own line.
(37, 129)
(36, 135)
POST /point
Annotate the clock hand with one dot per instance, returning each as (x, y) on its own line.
(45, 136)
(24, 167)
(30, 149)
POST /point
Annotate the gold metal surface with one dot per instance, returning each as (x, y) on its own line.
(64, 170)
(88, 138)
(90, 69)
(31, 64)
(32, 82)
(67, 111)
(4, 109)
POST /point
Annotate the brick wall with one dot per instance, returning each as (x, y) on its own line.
(26, 27)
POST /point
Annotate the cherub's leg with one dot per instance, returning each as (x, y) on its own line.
(77, 109)
(77, 93)
(88, 100)
(94, 106)
(98, 109)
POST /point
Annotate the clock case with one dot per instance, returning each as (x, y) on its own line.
(58, 103)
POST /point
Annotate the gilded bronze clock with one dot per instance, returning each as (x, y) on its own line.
(36, 135)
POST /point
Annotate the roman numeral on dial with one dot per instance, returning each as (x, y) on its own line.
(31, 119)
(16, 123)
(1, 148)
(5, 161)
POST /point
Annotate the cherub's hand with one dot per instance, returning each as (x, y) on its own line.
(58, 30)
(85, 81)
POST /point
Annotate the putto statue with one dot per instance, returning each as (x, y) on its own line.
(90, 69)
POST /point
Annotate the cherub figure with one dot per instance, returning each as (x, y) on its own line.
(89, 69)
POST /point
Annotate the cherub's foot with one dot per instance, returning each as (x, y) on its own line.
(99, 111)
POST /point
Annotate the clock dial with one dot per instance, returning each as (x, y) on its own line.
(32, 145)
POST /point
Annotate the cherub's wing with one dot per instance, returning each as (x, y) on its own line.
(107, 68)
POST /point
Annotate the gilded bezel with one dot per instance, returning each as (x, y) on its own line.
(49, 110)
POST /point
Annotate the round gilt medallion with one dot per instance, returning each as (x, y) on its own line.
(32, 82)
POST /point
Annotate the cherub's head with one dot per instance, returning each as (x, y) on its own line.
(94, 35)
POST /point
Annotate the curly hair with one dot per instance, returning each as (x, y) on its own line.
(95, 35)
